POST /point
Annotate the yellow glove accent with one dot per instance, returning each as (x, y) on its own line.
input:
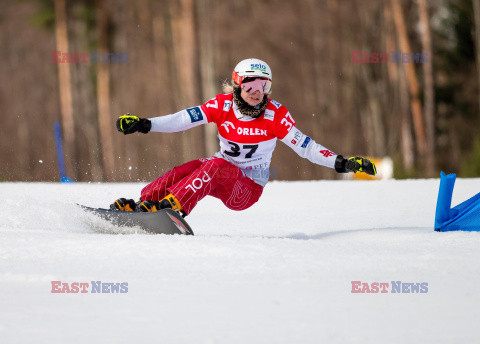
(126, 121)
(359, 164)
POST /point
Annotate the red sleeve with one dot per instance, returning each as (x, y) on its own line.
(283, 122)
(212, 109)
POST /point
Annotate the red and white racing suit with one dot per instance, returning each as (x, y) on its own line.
(239, 171)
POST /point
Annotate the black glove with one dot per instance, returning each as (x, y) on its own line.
(355, 164)
(128, 124)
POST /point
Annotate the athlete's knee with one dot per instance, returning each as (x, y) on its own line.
(243, 199)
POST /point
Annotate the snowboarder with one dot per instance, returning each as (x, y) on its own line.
(249, 124)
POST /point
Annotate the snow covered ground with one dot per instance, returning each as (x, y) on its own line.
(279, 272)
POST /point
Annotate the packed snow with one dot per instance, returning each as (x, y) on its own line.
(279, 272)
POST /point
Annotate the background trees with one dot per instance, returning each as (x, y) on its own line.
(425, 116)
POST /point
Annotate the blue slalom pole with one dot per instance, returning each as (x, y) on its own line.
(60, 160)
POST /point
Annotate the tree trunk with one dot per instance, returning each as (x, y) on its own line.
(400, 99)
(412, 82)
(406, 139)
(429, 99)
(207, 68)
(65, 88)
(184, 59)
(103, 94)
(372, 116)
(87, 144)
(476, 13)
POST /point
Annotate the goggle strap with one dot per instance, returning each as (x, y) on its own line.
(237, 78)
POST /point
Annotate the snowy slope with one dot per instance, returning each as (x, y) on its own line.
(279, 272)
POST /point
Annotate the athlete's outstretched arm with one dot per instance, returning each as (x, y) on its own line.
(318, 154)
(178, 121)
(309, 149)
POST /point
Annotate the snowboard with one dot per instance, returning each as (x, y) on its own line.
(165, 221)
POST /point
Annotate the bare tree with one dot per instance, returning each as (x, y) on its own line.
(103, 93)
(206, 42)
(372, 109)
(409, 69)
(65, 86)
(88, 161)
(429, 99)
(476, 13)
(406, 138)
(185, 66)
(399, 96)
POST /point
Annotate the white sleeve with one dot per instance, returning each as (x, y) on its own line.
(179, 121)
(309, 149)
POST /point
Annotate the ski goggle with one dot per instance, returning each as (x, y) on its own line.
(253, 84)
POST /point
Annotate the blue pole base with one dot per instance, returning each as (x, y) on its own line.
(66, 180)
(463, 217)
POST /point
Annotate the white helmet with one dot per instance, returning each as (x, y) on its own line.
(251, 68)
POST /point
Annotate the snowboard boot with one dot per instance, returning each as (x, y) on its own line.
(123, 204)
(148, 206)
(170, 201)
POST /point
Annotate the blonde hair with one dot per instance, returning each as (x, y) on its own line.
(227, 86)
